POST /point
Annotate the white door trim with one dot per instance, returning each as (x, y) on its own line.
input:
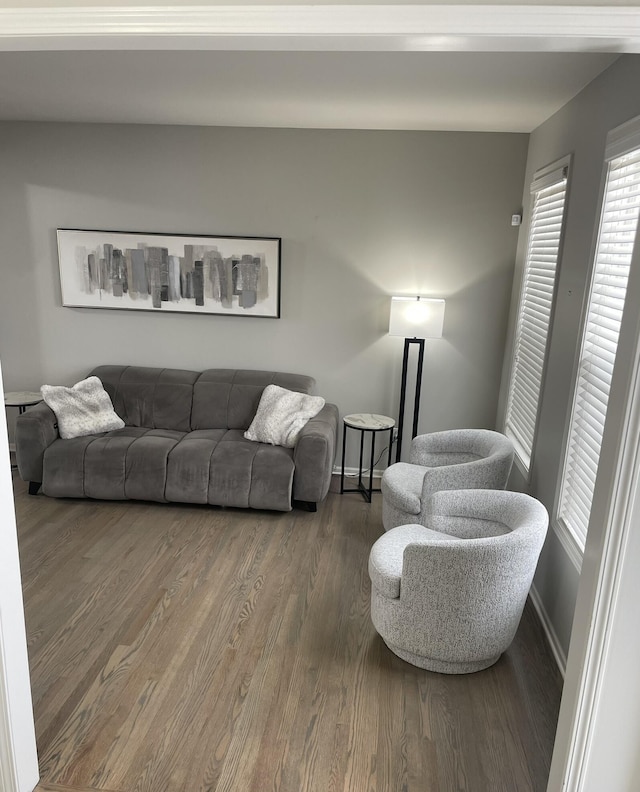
(18, 757)
(8, 770)
(607, 585)
(614, 515)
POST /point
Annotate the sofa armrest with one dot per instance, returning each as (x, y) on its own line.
(314, 455)
(36, 429)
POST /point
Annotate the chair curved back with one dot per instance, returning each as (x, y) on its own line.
(452, 459)
(464, 578)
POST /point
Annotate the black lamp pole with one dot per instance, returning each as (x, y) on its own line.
(403, 390)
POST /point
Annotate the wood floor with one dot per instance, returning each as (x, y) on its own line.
(179, 648)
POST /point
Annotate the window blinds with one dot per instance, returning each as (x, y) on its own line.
(534, 311)
(617, 233)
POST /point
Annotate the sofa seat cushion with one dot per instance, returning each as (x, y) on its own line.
(63, 467)
(188, 466)
(214, 466)
(128, 463)
(244, 473)
(146, 464)
(221, 468)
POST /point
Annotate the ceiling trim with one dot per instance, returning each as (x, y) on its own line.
(325, 27)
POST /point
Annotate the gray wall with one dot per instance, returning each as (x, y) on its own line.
(580, 129)
(363, 215)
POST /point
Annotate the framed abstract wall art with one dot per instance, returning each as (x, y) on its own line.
(237, 276)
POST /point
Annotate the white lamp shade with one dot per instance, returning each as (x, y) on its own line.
(416, 317)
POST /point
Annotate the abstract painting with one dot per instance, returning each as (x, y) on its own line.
(157, 272)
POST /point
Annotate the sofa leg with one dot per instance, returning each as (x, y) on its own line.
(34, 486)
(310, 506)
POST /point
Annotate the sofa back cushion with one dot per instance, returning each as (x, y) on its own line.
(229, 398)
(165, 398)
(156, 398)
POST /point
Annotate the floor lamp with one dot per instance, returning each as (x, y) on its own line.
(414, 319)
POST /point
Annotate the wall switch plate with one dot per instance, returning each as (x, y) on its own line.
(516, 219)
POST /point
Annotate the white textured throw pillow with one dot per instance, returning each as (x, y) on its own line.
(82, 410)
(281, 415)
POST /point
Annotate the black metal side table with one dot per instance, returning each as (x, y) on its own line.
(365, 423)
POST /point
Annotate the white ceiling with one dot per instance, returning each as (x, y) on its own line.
(420, 66)
(482, 91)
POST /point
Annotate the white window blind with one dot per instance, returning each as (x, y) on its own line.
(534, 311)
(616, 238)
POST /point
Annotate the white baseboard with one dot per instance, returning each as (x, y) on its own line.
(549, 631)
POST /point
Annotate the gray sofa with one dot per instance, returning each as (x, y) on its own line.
(183, 442)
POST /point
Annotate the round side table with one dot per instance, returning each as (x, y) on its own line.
(365, 423)
(22, 399)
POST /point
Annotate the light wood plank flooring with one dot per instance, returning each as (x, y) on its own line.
(180, 648)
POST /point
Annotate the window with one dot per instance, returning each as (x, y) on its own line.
(614, 249)
(534, 311)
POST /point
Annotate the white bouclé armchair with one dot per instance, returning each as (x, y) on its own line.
(454, 459)
(448, 595)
